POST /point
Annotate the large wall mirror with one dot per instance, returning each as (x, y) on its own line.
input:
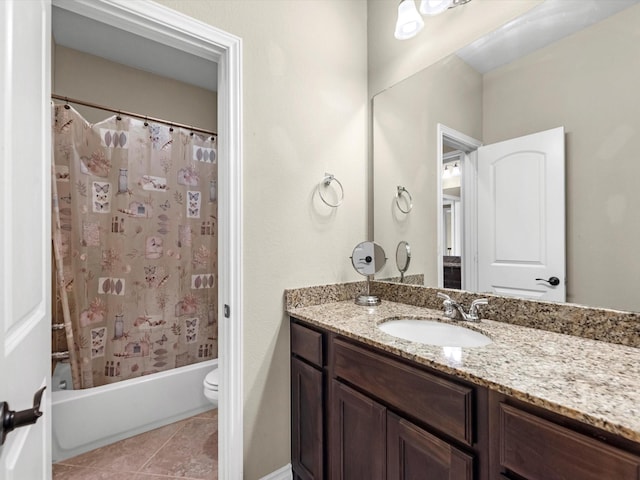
(569, 64)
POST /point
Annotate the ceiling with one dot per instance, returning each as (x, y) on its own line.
(89, 36)
(548, 22)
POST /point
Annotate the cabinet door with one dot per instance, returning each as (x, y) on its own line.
(307, 431)
(357, 435)
(414, 454)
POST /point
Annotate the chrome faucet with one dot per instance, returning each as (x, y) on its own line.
(452, 308)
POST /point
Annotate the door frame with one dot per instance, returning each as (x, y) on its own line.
(169, 27)
(469, 167)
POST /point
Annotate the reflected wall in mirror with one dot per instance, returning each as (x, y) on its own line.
(587, 82)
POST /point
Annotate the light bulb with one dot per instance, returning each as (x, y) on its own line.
(456, 170)
(409, 20)
(434, 7)
(447, 172)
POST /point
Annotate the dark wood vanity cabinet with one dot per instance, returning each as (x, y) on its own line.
(539, 445)
(357, 413)
(307, 403)
(370, 441)
(361, 413)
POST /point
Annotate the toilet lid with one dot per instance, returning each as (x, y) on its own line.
(211, 380)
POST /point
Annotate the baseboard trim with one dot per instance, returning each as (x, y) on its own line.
(283, 473)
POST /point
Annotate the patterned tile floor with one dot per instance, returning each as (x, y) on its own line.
(186, 450)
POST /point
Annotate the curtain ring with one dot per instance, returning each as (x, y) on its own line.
(118, 117)
(326, 181)
(66, 103)
(146, 122)
(399, 193)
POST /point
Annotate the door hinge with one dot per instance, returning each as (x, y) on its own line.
(227, 311)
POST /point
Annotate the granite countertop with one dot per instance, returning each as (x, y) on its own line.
(588, 380)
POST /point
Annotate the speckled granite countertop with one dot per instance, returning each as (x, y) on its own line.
(591, 381)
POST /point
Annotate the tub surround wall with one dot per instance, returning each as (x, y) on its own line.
(591, 381)
(592, 323)
(87, 419)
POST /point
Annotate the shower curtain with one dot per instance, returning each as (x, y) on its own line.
(135, 244)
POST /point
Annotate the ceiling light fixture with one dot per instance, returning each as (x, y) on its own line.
(446, 173)
(456, 170)
(434, 7)
(410, 22)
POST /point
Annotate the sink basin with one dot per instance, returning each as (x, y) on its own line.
(432, 332)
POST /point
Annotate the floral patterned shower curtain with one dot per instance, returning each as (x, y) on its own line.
(135, 243)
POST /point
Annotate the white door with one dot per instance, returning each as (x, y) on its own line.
(25, 265)
(521, 217)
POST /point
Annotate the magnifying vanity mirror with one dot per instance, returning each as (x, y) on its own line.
(403, 258)
(368, 258)
(569, 64)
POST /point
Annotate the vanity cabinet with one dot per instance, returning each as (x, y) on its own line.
(360, 412)
(401, 405)
(534, 446)
(370, 441)
(307, 403)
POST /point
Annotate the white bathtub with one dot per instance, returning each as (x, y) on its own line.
(83, 420)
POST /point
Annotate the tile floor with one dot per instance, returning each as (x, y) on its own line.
(186, 450)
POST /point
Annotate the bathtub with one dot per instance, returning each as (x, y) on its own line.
(83, 420)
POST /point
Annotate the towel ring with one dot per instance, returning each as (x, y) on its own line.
(399, 193)
(326, 181)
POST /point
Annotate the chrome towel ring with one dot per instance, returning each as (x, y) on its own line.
(326, 181)
(401, 191)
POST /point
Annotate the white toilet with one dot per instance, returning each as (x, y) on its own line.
(211, 386)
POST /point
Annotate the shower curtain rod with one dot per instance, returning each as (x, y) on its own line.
(131, 114)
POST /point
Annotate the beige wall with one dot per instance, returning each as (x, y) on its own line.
(87, 77)
(305, 113)
(391, 60)
(587, 83)
(404, 145)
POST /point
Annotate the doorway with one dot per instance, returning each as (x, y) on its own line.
(161, 26)
(456, 216)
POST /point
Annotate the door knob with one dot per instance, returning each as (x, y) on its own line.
(552, 280)
(10, 419)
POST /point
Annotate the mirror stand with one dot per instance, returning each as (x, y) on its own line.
(367, 259)
(368, 300)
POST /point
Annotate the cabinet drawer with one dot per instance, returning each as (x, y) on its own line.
(307, 344)
(540, 450)
(444, 405)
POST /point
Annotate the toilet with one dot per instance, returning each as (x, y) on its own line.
(211, 386)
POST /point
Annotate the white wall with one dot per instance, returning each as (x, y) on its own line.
(305, 113)
(87, 77)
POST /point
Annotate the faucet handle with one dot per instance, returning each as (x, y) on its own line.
(474, 305)
(449, 309)
(480, 301)
(444, 295)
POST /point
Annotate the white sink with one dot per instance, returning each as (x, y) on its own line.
(432, 332)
